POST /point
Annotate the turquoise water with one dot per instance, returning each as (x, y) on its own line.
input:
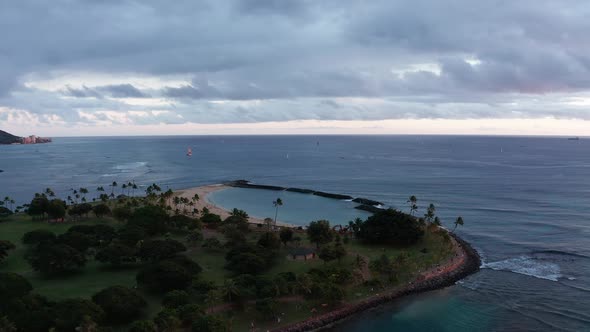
(297, 209)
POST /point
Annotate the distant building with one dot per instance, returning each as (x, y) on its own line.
(35, 140)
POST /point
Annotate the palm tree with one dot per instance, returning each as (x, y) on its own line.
(429, 215)
(134, 187)
(458, 222)
(278, 202)
(83, 191)
(113, 185)
(230, 290)
(123, 187)
(413, 204)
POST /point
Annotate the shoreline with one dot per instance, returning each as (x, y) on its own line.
(451, 273)
(205, 191)
(465, 262)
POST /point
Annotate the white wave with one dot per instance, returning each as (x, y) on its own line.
(527, 266)
(130, 166)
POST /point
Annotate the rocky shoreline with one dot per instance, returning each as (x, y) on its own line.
(469, 266)
(365, 203)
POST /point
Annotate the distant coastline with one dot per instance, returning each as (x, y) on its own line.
(7, 139)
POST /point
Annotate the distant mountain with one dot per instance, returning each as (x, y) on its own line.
(6, 138)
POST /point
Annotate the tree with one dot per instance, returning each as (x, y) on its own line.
(319, 232)
(286, 235)
(239, 213)
(458, 222)
(56, 209)
(30, 312)
(101, 210)
(79, 210)
(247, 262)
(50, 258)
(155, 250)
(5, 246)
(6, 325)
(122, 213)
(131, 234)
(71, 313)
(327, 254)
(38, 206)
(269, 240)
(437, 221)
(266, 307)
(120, 304)
(211, 219)
(175, 299)
(212, 243)
(390, 227)
(143, 326)
(430, 211)
(229, 290)
(76, 240)
(152, 218)
(412, 201)
(169, 274)
(208, 323)
(194, 237)
(13, 285)
(278, 202)
(37, 236)
(5, 212)
(339, 250)
(233, 234)
(117, 254)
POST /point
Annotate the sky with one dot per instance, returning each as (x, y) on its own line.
(86, 67)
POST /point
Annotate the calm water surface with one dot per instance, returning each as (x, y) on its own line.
(525, 202)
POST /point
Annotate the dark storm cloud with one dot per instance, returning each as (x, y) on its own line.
(424, 55)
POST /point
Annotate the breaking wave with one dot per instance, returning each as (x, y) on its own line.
(527, 266)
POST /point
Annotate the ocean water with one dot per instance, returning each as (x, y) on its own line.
(525, 202)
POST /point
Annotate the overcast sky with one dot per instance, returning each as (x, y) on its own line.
(86, 67)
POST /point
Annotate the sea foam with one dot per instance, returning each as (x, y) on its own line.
(527, 265)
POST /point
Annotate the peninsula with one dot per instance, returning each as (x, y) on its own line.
(7, 138)
(172, 260)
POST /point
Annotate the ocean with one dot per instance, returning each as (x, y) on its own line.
(525, 202)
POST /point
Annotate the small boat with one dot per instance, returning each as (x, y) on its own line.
(189, 152)
(573, 138)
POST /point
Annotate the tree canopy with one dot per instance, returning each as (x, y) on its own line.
(120, 304)
(319, 232)
(390, 227)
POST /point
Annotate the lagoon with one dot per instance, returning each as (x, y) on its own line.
(298, 209)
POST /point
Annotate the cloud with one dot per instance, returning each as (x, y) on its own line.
(285, 60)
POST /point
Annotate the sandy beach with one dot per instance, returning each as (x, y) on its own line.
(203, 193)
